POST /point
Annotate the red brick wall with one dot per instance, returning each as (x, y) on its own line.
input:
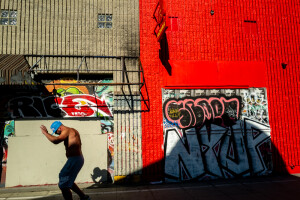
(228, 35)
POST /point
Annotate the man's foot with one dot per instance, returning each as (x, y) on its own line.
(86, 197)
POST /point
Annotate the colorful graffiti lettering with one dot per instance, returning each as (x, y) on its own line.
(191, 112)
(83, 105)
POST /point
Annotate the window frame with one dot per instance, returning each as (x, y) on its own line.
(9, 17)
(105, 21)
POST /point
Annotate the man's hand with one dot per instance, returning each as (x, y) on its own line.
(55, 140)
(44, 129)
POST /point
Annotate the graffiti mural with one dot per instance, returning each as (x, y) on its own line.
(212, 134)
(66, 101)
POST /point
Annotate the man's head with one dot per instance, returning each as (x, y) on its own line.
(55, 127)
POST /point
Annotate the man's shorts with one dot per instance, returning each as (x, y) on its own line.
(70, 171)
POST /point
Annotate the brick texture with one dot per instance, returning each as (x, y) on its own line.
(264, 31)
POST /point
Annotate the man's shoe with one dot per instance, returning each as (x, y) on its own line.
(86, 197)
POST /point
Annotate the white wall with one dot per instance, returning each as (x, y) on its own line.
(33, 160)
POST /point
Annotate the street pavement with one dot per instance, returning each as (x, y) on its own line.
(265, 188)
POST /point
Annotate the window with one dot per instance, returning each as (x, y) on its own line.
(8, 17)
(105, 21)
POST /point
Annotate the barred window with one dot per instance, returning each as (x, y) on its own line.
(8, 17)
(104, 20)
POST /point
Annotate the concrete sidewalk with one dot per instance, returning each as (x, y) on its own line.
(272, 187)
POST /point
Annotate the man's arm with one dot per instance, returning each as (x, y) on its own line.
(53, 139)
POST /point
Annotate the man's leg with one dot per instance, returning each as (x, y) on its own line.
(67, 194)
(80, 193)
(77, 190)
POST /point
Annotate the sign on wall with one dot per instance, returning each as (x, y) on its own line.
(216, 133)
(159, 16)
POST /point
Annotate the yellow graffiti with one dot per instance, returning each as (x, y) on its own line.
(174, 113)
(67, 89)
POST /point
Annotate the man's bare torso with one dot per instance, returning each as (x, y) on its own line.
(72, 143)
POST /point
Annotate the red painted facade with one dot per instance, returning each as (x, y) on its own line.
(194, 74)
(209, 43)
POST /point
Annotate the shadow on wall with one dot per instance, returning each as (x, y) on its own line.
(183, 171)
(99, 177)
(164, 53)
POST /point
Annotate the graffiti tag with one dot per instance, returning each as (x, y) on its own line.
(82, 105)
(191, 112)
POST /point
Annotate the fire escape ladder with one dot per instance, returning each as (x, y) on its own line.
(129, 88)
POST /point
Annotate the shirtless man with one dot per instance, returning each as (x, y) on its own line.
(68, 173)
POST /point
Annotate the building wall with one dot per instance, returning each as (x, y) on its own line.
(261, 31)
(65, 31)
(69, 27)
